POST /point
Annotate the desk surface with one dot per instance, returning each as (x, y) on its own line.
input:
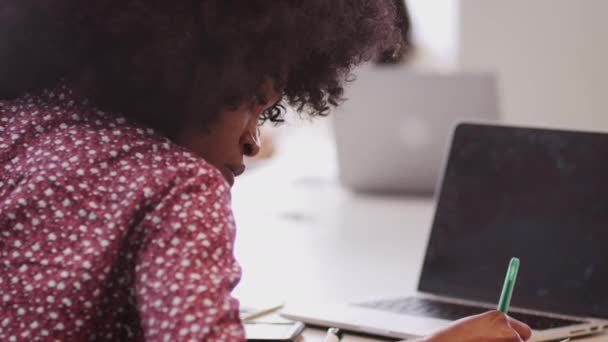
(303, 237)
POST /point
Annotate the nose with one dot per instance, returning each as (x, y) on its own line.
(250, 143)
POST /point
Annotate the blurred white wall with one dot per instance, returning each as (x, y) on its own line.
(434, 33)
(551, 57)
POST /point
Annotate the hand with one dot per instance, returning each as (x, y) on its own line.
(492, 326)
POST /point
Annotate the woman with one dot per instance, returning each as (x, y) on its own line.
(122, 127)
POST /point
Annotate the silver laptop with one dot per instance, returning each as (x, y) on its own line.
(540, 195)
(393, 132)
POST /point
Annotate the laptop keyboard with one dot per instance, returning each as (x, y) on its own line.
(450, 311)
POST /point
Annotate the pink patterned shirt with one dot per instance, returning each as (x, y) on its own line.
(109, 231)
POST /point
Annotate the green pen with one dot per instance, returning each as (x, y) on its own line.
(507, 288)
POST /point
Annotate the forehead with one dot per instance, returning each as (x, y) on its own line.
(271, 95)
(265, 97)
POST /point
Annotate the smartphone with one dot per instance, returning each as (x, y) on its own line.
(287, 331)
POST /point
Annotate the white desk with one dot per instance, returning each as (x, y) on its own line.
(302, 237)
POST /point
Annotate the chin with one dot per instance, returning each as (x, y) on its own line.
(229, 176)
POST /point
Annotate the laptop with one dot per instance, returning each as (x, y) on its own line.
(537, 194)
(409, 116)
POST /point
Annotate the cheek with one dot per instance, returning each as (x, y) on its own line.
(227, 143)
(219, 143)
(223, 140)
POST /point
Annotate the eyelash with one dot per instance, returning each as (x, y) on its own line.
(274, 114)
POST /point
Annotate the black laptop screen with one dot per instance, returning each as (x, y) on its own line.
(540, 195)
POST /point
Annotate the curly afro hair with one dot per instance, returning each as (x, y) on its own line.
(165, 61)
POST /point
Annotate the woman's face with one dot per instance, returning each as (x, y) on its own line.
(231, 137)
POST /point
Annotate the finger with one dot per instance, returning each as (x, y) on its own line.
(521, 328)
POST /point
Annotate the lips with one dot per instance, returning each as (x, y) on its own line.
(237, 171)
(231, 172)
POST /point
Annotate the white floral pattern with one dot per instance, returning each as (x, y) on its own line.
(108, 230)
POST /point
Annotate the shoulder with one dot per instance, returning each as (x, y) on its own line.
(98, 152)
(150, 162)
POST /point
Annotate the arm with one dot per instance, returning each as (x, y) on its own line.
(186, 268)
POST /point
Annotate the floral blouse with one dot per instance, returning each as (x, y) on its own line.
(108, 231)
